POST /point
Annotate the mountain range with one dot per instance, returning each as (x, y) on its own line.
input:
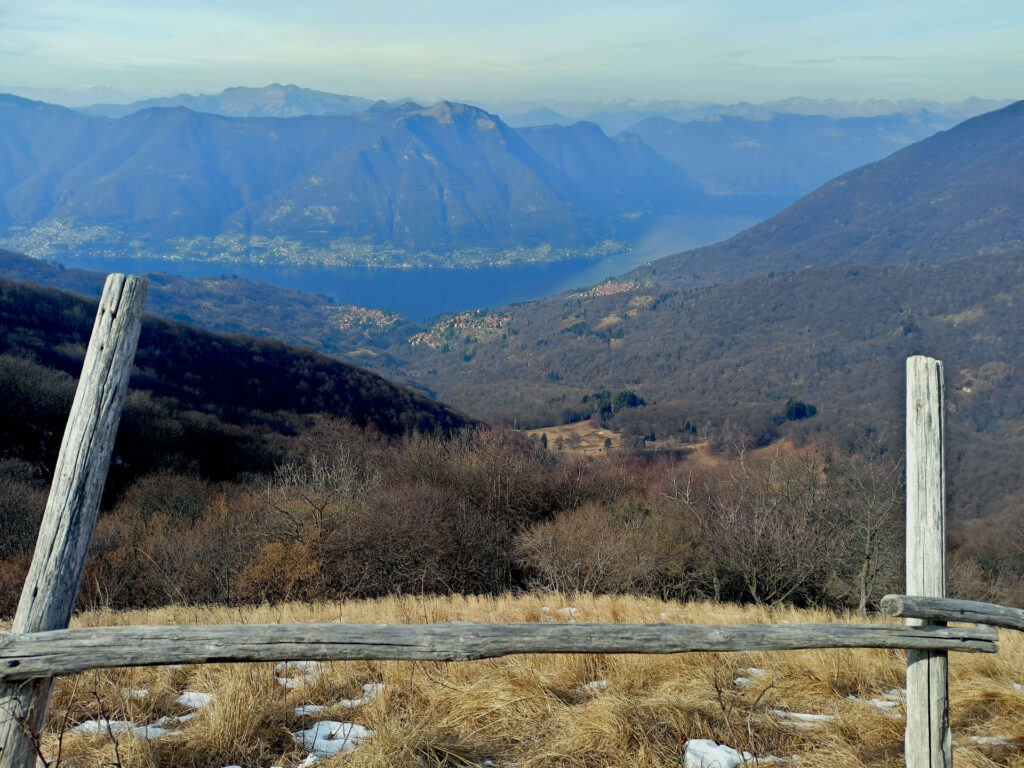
(406, 178)
(273, 100)
(781, 155)
(954, 194)
(288, 175)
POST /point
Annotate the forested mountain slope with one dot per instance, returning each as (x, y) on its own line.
(834, 337)
(198, 401)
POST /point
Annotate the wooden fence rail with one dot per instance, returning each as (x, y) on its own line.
(40, 647)
(945, 609)
(68, 651)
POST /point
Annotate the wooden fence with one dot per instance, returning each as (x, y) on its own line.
(40, 646)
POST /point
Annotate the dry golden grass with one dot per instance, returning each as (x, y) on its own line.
(531, 711)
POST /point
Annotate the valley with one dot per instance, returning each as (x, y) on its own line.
(518, 385)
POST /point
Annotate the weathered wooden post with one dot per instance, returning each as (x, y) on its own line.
(928, 741)
(49, 593)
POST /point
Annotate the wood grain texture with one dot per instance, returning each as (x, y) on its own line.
(68, 651)
(945, 609)
(928, 739)
(53, 579)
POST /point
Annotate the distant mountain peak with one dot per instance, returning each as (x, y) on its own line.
(449, 111)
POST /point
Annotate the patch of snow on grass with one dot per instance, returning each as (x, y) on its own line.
(570, 612)
(174, 719)
(593, 686)
(1002, 742)
(305, 710)
(149, 731)
(801, 719)
(704, 753)
(104, 726)
(194, 699)
(330, 737)
(308, 671)
(308, 668)
(370, 692)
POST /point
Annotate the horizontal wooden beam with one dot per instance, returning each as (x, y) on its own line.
(944, 609)
(67, 651)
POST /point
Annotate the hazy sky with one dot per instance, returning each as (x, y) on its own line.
(524, 50)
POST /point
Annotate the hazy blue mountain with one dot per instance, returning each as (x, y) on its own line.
(957, 193)
(158, 172)
(450, 174)
(613, 177)
(619, 117)
(781, 155)
(274, 100)
(40, 144)
(396, 177)
(539, 116)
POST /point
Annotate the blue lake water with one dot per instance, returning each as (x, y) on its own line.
(422, 293)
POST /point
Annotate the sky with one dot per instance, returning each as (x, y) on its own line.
(488, 51)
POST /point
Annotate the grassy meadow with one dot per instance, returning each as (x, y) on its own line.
(532, 711)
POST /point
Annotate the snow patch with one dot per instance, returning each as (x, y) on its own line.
(801, 719)
(704, 753)
(330, 737)
(570, 612)
(313, 668)
(305, 710)
(194, 699)
(593, 686)
(1001, 742)
(887, 704)
(104, 726)
(307, 672)
(175, 719)
(370, 692)
(138, 693)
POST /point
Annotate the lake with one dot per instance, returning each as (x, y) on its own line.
(423, 293)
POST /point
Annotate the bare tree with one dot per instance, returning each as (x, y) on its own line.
(317, 488)
(868, 487)
(768, 527)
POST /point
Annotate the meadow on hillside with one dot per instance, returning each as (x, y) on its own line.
(529, 711)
